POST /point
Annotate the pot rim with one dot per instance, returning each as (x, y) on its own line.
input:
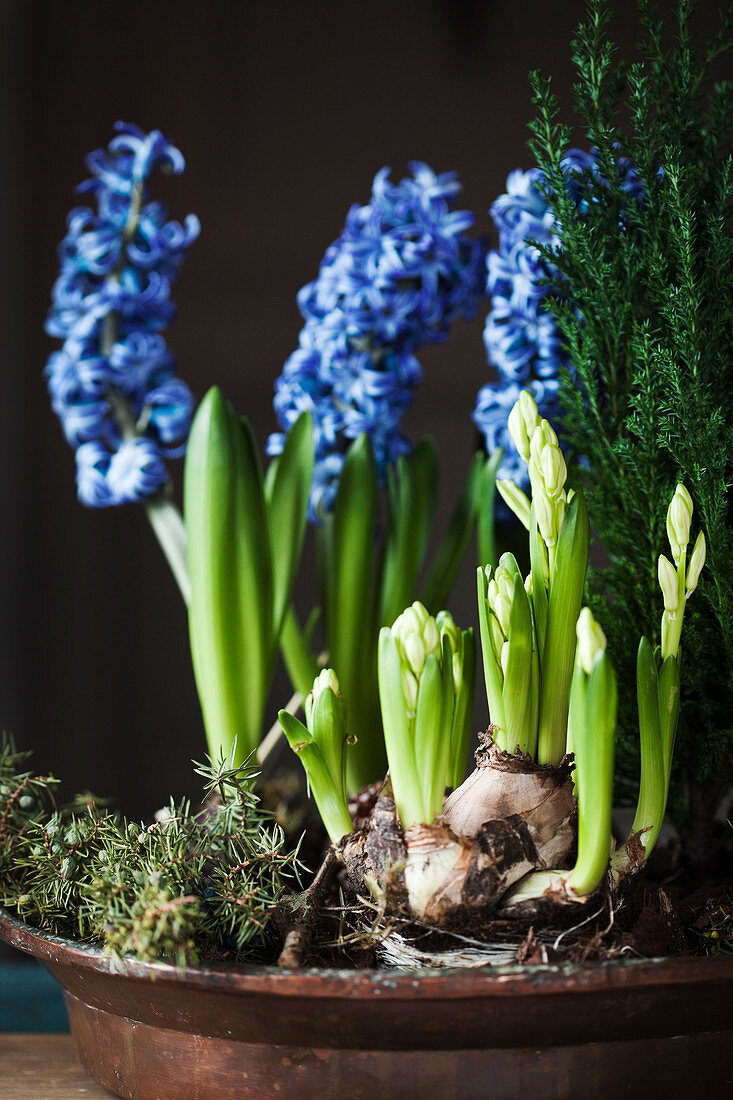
(512, 980)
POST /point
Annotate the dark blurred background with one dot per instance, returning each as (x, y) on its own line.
(284, 112)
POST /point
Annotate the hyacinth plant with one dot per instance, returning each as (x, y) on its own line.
(113, 383)
(402, 271)
(552, 692)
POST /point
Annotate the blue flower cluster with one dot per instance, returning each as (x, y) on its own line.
(402, 271)
(113, 383)
(521, 335)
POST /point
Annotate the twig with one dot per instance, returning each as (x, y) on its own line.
(297, 936)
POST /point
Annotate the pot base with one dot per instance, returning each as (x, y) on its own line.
(140, 1062)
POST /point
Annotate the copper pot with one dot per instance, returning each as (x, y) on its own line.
(152, 1032)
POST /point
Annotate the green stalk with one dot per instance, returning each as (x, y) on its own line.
(539, 587)
(653, 780)
(485, 522)
(301, 665)
(566, 594)
(594, 729)
(492, 673)
(669, 708)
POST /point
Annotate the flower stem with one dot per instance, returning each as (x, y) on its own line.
(167, 524)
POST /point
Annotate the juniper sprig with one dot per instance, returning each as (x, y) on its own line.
(193, 884)
(644, 303)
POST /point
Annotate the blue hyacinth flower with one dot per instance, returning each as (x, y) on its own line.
(402, 271)
(113, 382)
(521, 335)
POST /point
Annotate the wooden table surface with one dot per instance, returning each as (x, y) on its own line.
(44, 1067)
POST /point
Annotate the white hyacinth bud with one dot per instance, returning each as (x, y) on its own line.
(431, 637)
(679, 519)
(497, 636)
(505, 581)
(326, 679)
(422, 613)
(697, 561)
(518, 431)
(515, 499)
(457, 669)
(409, 690)
(530, 412)
(448, 629)
(504, 657)
(591, 640)
(545, 513)
(553, 468)
(668, 583)
(415, 653)
(502, 609)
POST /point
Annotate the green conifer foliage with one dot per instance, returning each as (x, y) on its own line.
(645, 307)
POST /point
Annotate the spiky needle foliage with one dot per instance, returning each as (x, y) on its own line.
(192, 885)
(646, 311)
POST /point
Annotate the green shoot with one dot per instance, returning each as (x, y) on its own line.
(426, 683)
(320, 746)
(593, 704)
(243, 548)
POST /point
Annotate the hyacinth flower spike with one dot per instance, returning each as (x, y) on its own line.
(658, 684)
(557, 521)
(321, 747)
(113, 382)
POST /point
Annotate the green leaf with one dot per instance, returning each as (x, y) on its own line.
(287, 492)
(516, 692)
(463, 710)
(566, 595)
(453, 546)
(594, 736)
(329, 732)
(351, 606)
(299, 659)
(432, 738)
(327, 792)
(492, 673)
(397, 733)
(413, 491)
(230, 614)
(485, 520)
